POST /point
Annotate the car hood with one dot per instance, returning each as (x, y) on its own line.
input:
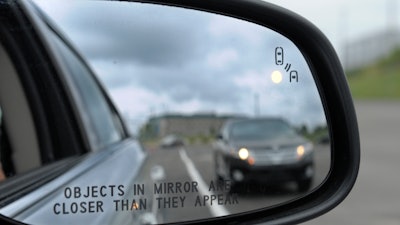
(273, 144)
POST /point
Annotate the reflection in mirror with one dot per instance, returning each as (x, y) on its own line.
(227, 113)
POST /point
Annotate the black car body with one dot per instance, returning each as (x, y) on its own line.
(266, 150)
(171, 141)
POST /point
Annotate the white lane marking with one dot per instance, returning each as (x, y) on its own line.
(157, 174)
(216, 210)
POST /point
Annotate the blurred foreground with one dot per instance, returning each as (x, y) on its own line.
(375, 197)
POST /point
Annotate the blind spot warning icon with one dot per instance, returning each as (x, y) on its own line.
(287, 67)
(279, 56)
(294, 76)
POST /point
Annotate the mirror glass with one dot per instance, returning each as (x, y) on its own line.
(226, 112)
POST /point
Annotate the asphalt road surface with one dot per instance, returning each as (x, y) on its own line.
(191, 167)
(375, 198)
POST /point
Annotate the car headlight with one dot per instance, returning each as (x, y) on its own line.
(243, 153)
(304, 149)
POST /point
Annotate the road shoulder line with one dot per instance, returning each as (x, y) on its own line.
(216, 210)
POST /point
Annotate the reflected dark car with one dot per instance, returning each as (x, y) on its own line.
(265, 150)
(171, 141)
(324, 139)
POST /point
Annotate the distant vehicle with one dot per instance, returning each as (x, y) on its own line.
(324, 139)
(266, 150)
(171, 141)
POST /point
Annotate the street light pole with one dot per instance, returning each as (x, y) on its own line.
(256, 105)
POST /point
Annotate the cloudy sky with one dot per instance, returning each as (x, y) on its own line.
(156, 59)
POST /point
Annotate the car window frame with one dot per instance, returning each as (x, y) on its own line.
(45, 26)
(61, 45)
(31, 68)
(23, 31)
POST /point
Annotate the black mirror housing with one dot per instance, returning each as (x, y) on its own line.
(330, 79)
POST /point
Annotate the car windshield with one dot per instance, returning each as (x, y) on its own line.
(260, 130)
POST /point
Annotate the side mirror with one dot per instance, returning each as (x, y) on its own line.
(188, 68)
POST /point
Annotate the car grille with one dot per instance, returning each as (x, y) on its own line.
(275, 156)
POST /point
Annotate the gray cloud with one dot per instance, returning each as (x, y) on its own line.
(181, 84)
(188, 55)
(137, 34)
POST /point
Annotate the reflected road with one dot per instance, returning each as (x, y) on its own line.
(196, 163)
